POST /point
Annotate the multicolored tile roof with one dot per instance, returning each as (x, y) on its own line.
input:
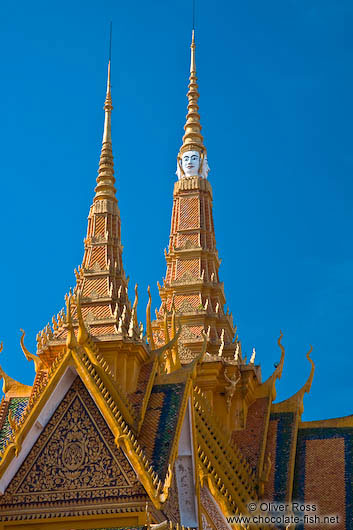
(285, 437)
(16, 407)
(140, 392)
(160, 422)
(324, 471)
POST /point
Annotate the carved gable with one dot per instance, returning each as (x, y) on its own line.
(74, 459)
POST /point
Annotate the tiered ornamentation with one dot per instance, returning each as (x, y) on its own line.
(192, 287)
(101, 279)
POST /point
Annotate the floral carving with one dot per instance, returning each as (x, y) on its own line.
(74, 459)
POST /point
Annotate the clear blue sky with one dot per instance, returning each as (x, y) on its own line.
(276, 90)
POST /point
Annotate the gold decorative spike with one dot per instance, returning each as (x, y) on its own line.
(54, 323)
(148, 320)
(192, 139)
(70, 339)
(82, 333)
(38, 363)
(105, 181)
(132, 323)
(134, 307)
(220, 351)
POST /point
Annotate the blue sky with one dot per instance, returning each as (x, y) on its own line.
(276, 108)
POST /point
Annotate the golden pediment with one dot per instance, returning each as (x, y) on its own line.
(75, 458)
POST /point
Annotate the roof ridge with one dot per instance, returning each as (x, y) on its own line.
(235, 457)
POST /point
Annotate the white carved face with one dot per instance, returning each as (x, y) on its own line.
(190, 162)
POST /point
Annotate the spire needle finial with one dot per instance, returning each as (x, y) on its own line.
(110, 41)
(192, 139)
(105, 180)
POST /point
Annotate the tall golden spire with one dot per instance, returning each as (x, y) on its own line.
(105, 181)
(191, 287)
(192, 139)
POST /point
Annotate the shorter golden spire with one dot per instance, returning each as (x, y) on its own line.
(105, 181)
(193, 139)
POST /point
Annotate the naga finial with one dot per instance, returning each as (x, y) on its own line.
(38, 363)
(311, 376)
(11, 387)
(279, 341)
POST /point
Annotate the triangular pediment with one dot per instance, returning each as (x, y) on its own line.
(75, 459)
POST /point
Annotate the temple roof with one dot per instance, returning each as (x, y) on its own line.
(100, 279)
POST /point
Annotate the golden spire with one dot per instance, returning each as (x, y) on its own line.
(105, 181)
(192, 139)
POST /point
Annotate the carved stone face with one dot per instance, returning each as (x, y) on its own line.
(190, 162)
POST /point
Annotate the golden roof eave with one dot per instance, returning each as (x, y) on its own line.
(74, 357)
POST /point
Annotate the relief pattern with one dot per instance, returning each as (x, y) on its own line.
(74, 459)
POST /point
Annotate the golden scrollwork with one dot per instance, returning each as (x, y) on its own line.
(75, 458)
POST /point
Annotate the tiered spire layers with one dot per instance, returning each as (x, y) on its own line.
(105, 181)
(192, 139)
(101, 282)
(191, 287)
